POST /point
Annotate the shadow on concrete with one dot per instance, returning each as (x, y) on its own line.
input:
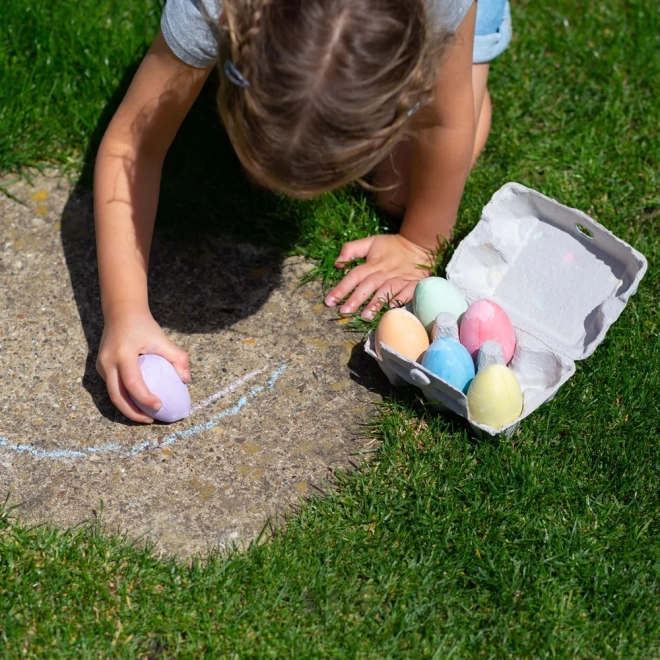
(365, 372)
(218, 246)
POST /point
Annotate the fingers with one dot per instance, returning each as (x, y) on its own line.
(123, 380)
(124, 338)
(391, 292)
(349, 252)
(377, 286)
(179, 359)
(120, 398)
(362, 292)
(390, 273)
(403, 296)
(350, 281)
(131, 378)
(354, 250)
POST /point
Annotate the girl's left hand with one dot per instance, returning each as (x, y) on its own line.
(393, 267)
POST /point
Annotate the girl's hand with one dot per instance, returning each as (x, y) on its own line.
(127, 178)
(441, 152)
(393, 267)
(125, 337)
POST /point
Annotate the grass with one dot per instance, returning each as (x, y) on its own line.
(60, 65)
(545, 545)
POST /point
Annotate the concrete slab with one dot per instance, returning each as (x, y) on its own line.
(279, 388)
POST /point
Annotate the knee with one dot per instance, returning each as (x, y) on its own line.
(482, 126)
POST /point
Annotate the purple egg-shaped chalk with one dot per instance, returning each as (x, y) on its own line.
(162, 380)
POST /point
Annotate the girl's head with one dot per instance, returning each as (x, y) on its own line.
(331, 86)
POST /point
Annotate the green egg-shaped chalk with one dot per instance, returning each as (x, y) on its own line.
(434, 295)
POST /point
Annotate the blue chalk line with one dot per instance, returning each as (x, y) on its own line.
(143, 446)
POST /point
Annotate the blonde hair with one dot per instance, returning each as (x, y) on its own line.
(329, 86)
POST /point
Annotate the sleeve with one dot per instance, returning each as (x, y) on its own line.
(448, 14)
(190, 30)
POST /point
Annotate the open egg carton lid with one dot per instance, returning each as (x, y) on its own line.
(559, 274)
(562, 278)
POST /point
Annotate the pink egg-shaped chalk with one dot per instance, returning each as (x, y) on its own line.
(162, 380)
(485, 320)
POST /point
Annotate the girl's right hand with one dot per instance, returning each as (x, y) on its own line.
(127, 178)
(125, 337)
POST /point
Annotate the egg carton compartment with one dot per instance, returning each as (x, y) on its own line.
(562, 278)
(540, 371)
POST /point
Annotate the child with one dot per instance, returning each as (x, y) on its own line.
(313, 94)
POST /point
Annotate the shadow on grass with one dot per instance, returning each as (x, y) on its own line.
(218, 246)
(366, 373)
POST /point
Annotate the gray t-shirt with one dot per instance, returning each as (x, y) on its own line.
(188, 26)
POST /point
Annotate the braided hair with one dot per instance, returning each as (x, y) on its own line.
(329, 86)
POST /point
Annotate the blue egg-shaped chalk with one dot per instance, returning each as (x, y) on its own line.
(450, 360)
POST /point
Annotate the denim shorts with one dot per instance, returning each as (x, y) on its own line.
(492, 32)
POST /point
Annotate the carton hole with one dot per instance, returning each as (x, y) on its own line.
(583, 230)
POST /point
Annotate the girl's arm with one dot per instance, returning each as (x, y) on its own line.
(441, 153)
(126, 187)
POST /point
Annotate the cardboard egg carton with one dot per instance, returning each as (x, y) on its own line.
(562, 278)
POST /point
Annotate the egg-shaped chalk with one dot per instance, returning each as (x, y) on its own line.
(449, 360)
(485, 320)
(434, 295)
(162, 380)
(403, 333)
(495, 398)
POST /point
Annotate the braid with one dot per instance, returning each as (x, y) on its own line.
(333, 84)
(257, 19)
(245, 20)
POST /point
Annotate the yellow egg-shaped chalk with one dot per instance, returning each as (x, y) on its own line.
(495, 397)
(403, 332)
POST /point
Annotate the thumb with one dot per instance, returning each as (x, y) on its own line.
(354, 250)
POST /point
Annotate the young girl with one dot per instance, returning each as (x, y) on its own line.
(313, 94)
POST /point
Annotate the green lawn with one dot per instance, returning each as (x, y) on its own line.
(442, 546)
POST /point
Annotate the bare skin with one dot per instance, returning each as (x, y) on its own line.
(126, 185)
(127, 179)
(444, 150)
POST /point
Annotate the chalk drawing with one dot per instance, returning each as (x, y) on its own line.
(170, 439)
(227, 390)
